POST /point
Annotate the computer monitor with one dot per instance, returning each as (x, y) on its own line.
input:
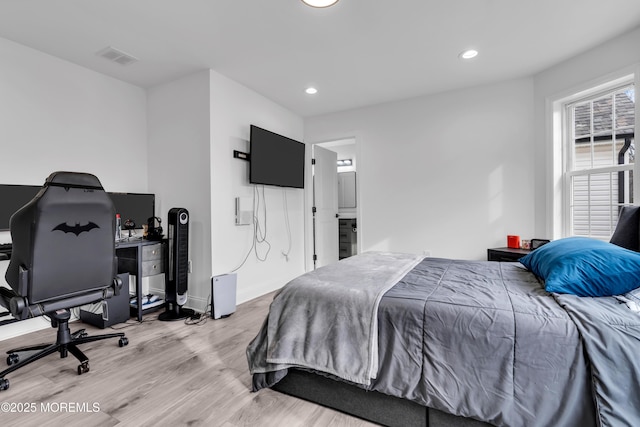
(12, 198)
(137, 207)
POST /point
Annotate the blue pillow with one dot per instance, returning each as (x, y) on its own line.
(585, 267)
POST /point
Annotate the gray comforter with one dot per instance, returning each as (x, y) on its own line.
(484, 340)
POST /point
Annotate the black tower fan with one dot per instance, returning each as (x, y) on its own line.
(177, 266)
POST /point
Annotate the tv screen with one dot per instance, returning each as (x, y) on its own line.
(12, 198)
(138, 207)
(275, 159)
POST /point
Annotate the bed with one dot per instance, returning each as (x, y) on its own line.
(453, 342)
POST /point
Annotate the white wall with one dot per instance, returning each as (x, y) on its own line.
(55, 115)
(179, 170)
(233, 109)
(451, 173)
(195, 123)
(608, 61)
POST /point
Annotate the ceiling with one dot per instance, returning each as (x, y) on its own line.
(356, 53)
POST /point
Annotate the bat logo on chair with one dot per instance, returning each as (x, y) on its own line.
(77, 228)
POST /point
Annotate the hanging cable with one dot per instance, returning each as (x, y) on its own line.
(287, 224)
(258, 236)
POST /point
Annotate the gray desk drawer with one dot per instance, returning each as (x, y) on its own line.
(151, 268)
(152, 252)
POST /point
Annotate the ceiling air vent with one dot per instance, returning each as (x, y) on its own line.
(116, 55)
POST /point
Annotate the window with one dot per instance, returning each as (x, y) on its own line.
(600, 158)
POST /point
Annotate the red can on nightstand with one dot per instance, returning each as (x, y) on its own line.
(513, 242)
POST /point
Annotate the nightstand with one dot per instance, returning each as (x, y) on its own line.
(506, 254)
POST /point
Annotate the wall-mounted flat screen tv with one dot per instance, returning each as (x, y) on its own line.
(275, 159)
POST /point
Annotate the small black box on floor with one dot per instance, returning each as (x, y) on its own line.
(117, 308)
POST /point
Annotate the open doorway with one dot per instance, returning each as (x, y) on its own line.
(333, 240)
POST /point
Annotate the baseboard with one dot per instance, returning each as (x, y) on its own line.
(258, 291)
(22, 327)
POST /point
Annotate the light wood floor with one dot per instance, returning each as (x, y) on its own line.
(169, 374)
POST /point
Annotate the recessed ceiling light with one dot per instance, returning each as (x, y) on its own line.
(311, 90)
(469, 53)
(320, 3)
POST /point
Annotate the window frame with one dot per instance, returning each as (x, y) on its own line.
(563, 139)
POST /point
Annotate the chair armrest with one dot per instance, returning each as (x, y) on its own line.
(117, 285)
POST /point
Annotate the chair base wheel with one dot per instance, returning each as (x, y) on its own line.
(123, 341)
(4, 384)
(83, 368)
(12, 359)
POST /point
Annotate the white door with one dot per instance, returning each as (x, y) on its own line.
(325, 206)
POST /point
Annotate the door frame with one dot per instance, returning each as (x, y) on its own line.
(308, 196)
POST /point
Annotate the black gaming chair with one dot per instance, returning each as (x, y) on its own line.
(63, 256)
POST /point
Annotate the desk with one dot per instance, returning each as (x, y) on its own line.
(141, 258)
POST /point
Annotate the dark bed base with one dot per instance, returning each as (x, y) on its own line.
(368, 405)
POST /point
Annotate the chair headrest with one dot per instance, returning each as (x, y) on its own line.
(73, 179)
